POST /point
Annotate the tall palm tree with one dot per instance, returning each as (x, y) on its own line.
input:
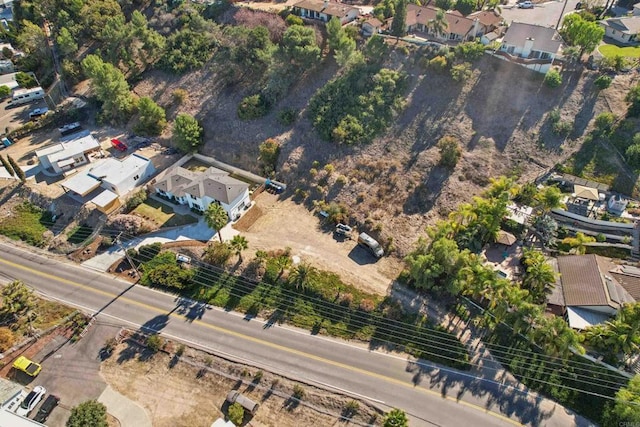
(238, 244)
(556, 337)
(216, 218)
(540, 277)
(439, 24)
(283, 262)
(302, 275)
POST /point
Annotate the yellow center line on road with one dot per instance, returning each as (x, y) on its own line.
(260, 341)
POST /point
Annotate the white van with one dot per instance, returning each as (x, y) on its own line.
(23, 96)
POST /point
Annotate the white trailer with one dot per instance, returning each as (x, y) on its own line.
(23, 96)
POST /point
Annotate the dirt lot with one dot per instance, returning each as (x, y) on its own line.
(191, 392)
(276, 224)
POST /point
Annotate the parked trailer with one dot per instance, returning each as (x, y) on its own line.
(24, 96)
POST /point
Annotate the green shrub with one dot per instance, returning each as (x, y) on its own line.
(439, 63)
(179, 96)
(604, 122)
(554, 116)
(154, 343)
(236, 411)
(469, 50)
(287, 116)
(252, 107)
(298, 392)
(450, 151)
(553, 78)
(136, 200)
(461, 72)
(602, 82)
(5, 91)
(562, 128)
(292, 19)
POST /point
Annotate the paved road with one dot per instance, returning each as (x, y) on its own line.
(430, 396)
(545, 14)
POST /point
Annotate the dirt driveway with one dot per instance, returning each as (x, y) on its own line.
(283, 223)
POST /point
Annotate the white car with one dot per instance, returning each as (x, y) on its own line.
(525, 5)
(31, 401)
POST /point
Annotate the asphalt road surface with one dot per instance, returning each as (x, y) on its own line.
(431, 396)
(545, 14)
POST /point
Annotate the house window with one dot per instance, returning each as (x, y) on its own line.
(135, 178)
(535, 54)
(545, 55)
(78, 159)
(511, 49)
(452, 36)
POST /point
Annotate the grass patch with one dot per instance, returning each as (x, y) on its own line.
(162, 215)
(28, 223)
(79, 234)
(611, 51)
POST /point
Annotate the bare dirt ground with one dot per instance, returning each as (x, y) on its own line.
(275, 224)
(191, 392)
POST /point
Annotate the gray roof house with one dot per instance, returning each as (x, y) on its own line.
(623, 30)
(532, 46)
(591, 294)
(199, 189)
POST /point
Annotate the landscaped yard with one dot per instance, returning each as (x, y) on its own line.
(610, 51)
(27, 223)
(162, 215)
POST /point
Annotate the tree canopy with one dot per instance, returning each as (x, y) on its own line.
(187, 133)
(110, 88)
(577, 31)
(90, 413)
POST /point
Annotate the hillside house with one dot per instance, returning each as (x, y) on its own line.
(200, 189)
(109, 179)
(623, 29)
(64, 156)
(589, 293)
(324, 10)
(371, 26)
(532, 46)
(458, 29)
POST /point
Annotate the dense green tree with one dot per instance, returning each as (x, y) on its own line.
(269, 153)
(5, 91)
(187, 50)
(619, 337)
(577, 31)
(151, 117)
(436, 266)
(549, 198)
(625, 411)
(25, 80)
(633, 99)
(438, 25)
(187, 133)
(90, 413)
(17, 299)
(445, 4)
(340, 42)
(399, 23)
(385, 9)
(216, 218)
(633, 152)
(236, 414)
(299, 46)
(555, 336)
(238, 244)
(540, 276)
(168, 275)
(17, 169)
(33, 41)
(110, 87)
(396, 418)
(96, 13)
(465, 7)
(7, 166)
(66, 42)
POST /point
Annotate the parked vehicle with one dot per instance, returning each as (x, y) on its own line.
(525, 5)
(248, 404)
(24, 96)
(272, 187)
(70, 128)
(38, 112)
(343, 230)
(47, 406)
(5, 142)
(119, 145)
(370, 244)
(32, 399)
(27, 366)
(181, 258)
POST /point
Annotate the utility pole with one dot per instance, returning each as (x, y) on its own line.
(133, 264)
(564, 6)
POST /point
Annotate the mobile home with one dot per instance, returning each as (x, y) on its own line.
(23, 96)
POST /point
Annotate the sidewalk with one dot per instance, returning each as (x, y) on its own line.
(129, 413)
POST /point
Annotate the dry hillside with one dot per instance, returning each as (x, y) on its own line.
(393, 185)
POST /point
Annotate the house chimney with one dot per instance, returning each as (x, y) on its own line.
(326, 4)
(475, 27)
(528, 45)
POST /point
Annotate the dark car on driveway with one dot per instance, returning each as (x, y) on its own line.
(47, 406)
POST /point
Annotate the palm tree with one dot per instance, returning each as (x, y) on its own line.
(283, 262)
(540, 277)
(556, 337)
(301, 276)
(439, 24)
(578, 243)
(238, 244)
(216, 218)
(494, 5)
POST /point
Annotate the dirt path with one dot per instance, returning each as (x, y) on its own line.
(284, 223)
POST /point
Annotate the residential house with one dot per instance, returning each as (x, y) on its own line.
(200, 189)
(371, 26)
(617, 204)
(490, 20)
(64, 156)
(532, 46)
(589, 293)
(459, 28)
(623, 30)
(6, 66)
(324, 10)
(109, 179)
(9, 80)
